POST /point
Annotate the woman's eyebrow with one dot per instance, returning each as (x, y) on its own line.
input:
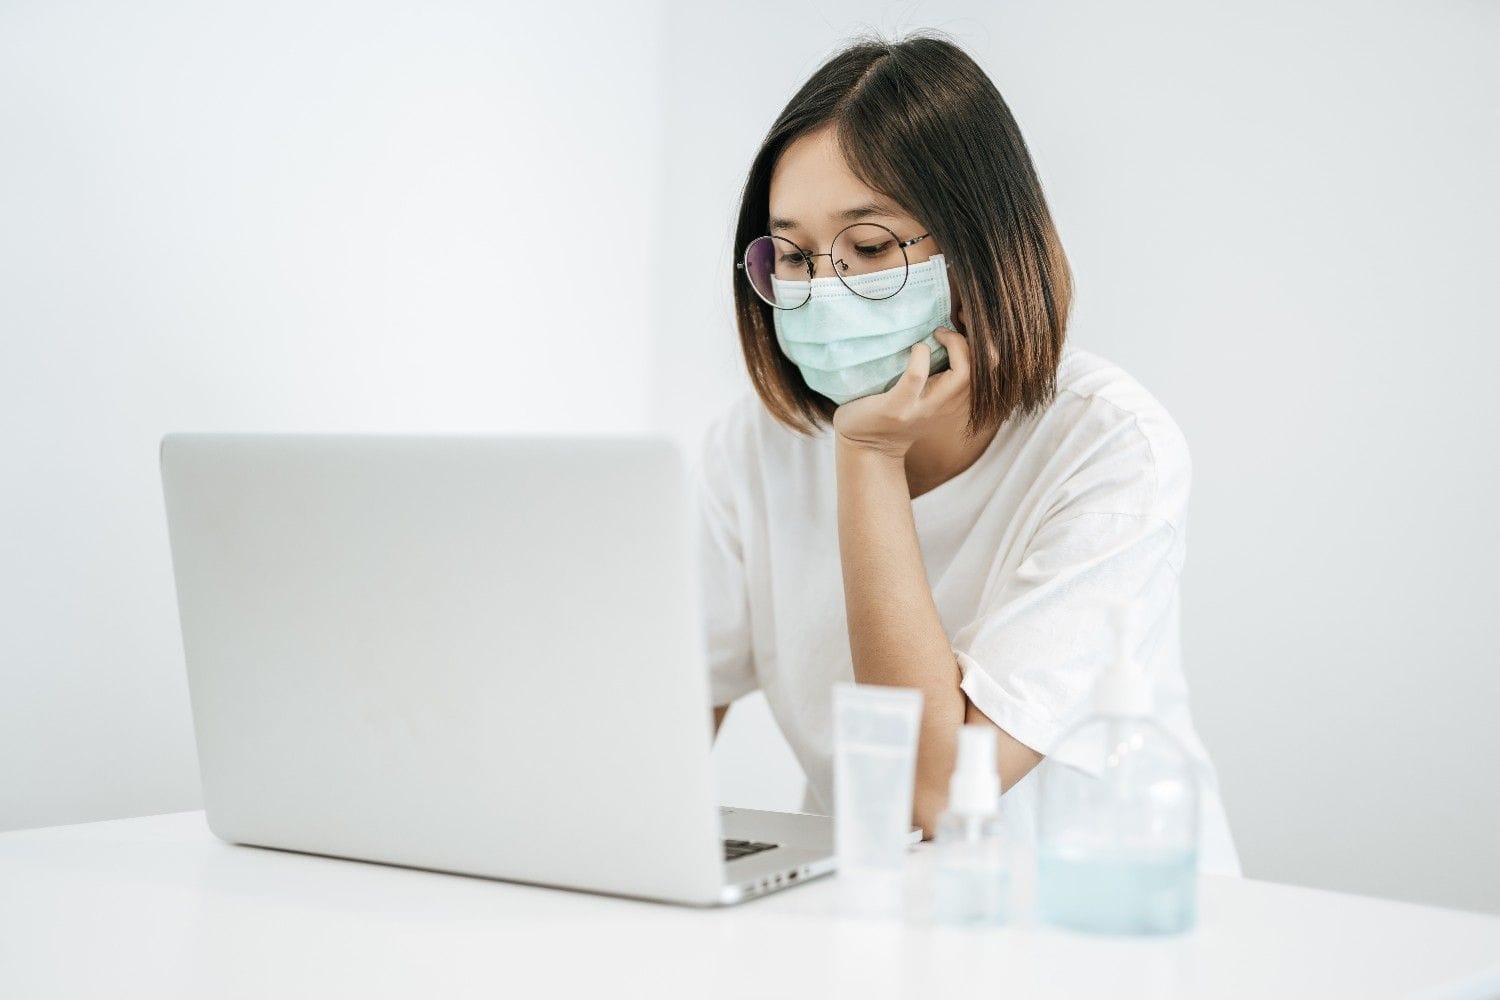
(847, 215)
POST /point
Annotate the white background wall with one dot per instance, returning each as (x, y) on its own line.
(277, 216)
(352, 217)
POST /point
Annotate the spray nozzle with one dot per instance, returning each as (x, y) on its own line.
(975, 785)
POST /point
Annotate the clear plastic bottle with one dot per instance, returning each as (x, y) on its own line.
(1117, 827)
(971, 880)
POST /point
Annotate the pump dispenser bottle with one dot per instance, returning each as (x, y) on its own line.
(971, 880)
(1117, 827)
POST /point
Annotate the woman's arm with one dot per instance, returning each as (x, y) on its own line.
(895, 634)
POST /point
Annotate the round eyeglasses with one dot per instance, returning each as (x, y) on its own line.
(781, 272)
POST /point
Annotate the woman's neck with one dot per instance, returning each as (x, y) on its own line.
(939, 456)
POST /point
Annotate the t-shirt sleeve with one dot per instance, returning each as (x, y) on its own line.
(1043, 633)
(724, 592)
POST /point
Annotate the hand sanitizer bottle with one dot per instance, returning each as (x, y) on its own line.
(971, 880)
(1117, 824)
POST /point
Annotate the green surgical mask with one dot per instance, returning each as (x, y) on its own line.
(848, 346)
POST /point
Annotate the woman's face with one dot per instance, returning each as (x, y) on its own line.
(814, 194)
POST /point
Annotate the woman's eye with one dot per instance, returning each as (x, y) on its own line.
(874, 251)
(794, 259)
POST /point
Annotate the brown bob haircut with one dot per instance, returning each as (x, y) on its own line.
(919, 122)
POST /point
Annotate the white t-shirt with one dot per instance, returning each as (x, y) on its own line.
(1064, 511)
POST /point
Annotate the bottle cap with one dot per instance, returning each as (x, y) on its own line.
(1123, 688)
(974, 788)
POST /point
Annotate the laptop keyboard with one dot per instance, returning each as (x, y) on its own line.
(744, 848)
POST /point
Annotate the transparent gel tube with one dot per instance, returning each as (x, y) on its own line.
(875, 759)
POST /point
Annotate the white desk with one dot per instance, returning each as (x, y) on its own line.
(158, 907)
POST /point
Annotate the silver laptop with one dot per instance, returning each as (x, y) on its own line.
(469, 653)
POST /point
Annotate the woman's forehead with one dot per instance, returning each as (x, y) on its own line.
(813, 190)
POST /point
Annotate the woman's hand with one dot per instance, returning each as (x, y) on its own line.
(890, 421)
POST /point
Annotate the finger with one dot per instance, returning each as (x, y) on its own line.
(909, 387)
(958, 350)
(955, 380)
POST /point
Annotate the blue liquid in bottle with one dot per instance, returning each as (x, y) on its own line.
(1147, 893)
(1117, 844)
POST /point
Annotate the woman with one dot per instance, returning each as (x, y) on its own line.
(926, 487)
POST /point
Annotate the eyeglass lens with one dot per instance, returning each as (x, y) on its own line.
(780, 271)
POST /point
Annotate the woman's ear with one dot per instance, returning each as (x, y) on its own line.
(957, 311)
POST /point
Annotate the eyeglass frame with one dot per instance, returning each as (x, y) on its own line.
(742, 263)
